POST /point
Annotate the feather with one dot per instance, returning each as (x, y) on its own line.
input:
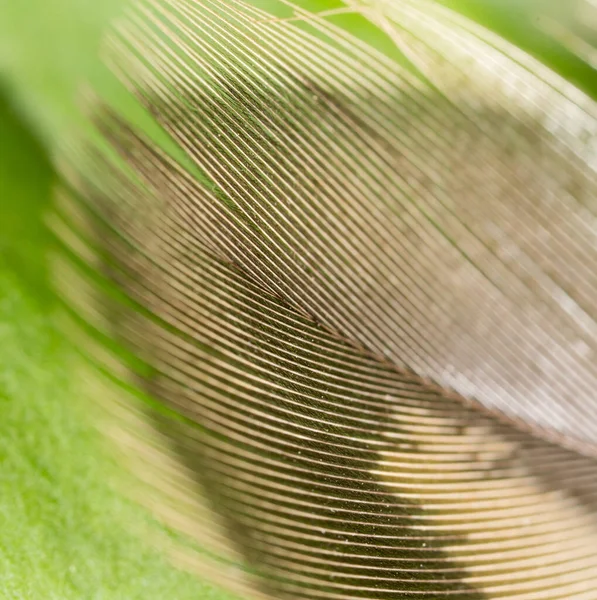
(360, 288)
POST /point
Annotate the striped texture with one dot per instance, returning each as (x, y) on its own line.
(372, 306)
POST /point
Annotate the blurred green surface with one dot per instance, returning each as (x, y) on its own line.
(25, 183)
(65, 532)
(47, 47)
